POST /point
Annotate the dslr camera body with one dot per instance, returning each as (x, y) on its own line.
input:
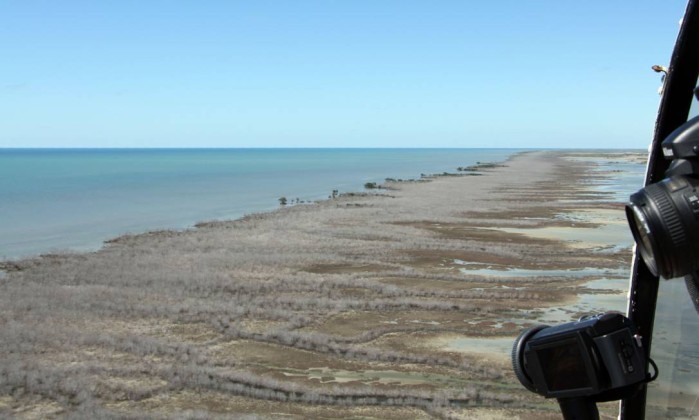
(597, 358)
(664, 217)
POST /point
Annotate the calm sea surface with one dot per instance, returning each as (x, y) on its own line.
(74, 199)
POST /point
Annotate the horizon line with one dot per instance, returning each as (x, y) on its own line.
(302, 148)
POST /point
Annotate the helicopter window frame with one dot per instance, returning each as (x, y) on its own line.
(673, 111)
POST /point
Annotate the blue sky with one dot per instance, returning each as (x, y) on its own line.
(327, 73)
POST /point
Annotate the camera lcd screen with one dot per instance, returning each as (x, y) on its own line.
(563, 366)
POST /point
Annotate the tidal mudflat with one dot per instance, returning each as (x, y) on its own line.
(398, 303)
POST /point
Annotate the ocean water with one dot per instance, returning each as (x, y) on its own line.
(628, 177)
(54, 200)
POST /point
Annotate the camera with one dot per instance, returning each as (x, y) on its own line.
(596, 358)
(664, 217)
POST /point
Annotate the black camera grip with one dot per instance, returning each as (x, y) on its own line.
(578, 409)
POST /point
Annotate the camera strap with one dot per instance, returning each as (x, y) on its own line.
(692, 282)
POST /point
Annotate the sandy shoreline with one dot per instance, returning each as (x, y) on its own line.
(350, 306)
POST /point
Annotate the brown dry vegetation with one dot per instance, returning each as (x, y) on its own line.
(336, 309)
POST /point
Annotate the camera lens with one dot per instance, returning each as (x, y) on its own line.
(663, 220)
(643, 236)
(518, 364)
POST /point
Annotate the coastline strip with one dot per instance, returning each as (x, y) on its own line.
(374, 283)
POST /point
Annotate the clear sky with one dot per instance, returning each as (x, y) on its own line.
(325, 73)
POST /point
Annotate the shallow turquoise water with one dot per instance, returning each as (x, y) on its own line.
(74, 199)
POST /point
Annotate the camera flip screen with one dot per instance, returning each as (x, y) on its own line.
(563, 366)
